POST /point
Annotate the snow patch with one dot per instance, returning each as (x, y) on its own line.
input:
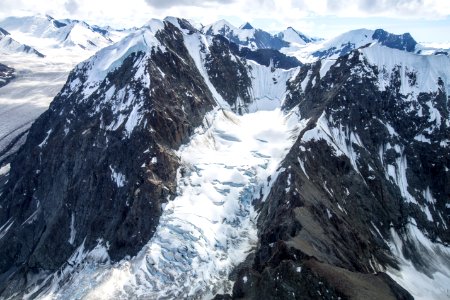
(73, 231)
(5, 169)
(268, 89)
(397, 172)
(340, 138)
(431, 283)
(117, 177)
(5, 227)
(44, 142)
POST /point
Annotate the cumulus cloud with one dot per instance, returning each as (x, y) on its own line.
(379, 8)
(197, 3)
(71, 6)
(317, 17)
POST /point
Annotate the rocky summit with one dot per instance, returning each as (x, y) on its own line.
(216, 162)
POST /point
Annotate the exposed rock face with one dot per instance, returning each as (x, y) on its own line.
(401, 41)
(100, 165)
(6, 75)
(354, 39)
(337, 202)
(229, 74)
(3, 32)
(269, 57)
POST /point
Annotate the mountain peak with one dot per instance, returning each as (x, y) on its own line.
(397, 41)
(3, 32)
(247, 25)
(222, 23)
(293, 36)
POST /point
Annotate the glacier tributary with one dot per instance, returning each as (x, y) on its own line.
(210, 226)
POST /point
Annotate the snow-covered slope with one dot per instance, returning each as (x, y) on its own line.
(246, 35)
(346, 42)
(64, 33)
(294, 37)
(10, 46)
(225, 28)
(416, 73)
(433, 48)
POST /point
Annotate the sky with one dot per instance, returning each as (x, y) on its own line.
(426, 20)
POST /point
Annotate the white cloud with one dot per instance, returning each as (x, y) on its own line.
(196, 3)
(306, 15)
(71, 6)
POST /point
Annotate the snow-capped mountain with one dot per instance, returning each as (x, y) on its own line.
(346, 42)
(351, 40)
(433, 48)
(63, 33)
(36, 79)
(293, 36)
(368, 153)
(10, 46)
(246, 36)
(195, 163)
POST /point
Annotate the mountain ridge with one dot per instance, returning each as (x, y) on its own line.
(345, 202)
(9, 45)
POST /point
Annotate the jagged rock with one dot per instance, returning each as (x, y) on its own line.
(6, 74)
(80, 168)
(229, 74)
(339, 194)
(402, 42)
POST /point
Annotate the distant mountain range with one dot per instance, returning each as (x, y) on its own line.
(62, 33)
(9, 46)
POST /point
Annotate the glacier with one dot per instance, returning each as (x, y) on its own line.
(209, 228)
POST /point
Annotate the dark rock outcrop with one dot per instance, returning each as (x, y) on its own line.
(396, 41)
(332, 209)
(404, 42)
(101, 163)
(229, 74)
(6, 74)
(270, 57)
(228, 69)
